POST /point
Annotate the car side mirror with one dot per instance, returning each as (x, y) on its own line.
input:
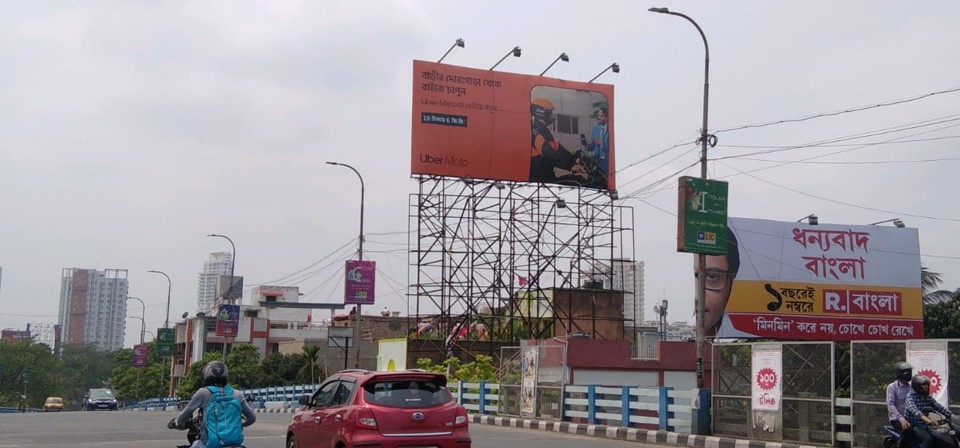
(304, 400)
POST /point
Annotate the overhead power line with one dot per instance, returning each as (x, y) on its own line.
(841, 112)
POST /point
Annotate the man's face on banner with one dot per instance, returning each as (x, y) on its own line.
(719, 281)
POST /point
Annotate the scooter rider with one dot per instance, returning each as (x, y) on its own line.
(214, 374)
(897, 396)
(917, 400)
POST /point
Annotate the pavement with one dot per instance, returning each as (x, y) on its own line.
(611, 432)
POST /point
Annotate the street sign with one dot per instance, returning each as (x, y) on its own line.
(165, 341)
(340, 337)
(702, 216)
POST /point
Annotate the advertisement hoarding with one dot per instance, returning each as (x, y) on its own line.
(932, 363)
(486, 124)
(228, 319)
(767, 375)
(139, 356)
(359, 287)
(702, 216)
(819, 282)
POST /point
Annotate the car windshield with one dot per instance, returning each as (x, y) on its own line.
(101, 393)
(406, 393)
(54, 400)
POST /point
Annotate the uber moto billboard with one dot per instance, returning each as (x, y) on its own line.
(790, 280)
(504, 126)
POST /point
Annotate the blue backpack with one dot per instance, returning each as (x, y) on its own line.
(222, 419)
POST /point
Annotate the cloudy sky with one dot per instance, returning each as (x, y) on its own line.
(129, 131)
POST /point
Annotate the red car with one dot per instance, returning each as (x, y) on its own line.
(359, 408)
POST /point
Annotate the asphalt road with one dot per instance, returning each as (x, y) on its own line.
(148, 430)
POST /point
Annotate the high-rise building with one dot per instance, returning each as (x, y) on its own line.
(626, 276)
(218, 264)
(93, 307)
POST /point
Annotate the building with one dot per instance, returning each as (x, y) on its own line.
(626, 276)
(217, 265)
(93, 307)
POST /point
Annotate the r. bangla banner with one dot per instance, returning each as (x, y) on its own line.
(820, 282)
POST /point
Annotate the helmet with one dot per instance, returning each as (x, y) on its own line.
(215, 374)
(917, 382)
(542, 109)
(903, 371)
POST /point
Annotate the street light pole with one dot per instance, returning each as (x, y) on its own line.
(166, 320)
(357, 339)
(143, 314)
(705, 137)
(229, 293)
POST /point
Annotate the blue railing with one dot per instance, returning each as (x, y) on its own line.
(626, 406)
(13, 409)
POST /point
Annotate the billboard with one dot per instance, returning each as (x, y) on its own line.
(228, 320)
(702, 216)
(486, 124)
(139, 355)
(359, 287)
(789, 280)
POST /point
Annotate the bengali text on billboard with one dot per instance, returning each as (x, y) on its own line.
(486, 124)
(791, 280)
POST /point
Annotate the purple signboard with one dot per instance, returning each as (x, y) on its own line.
(361, 277)
(228, 319)
(139, 358)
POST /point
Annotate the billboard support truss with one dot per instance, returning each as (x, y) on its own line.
(485, 255)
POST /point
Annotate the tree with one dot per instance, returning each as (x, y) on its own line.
(281, 370)
(243, 366)
(311, 355)
(942, 320)
(929, 282)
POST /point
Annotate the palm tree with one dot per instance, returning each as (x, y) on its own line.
(311, 354)
(929, 282)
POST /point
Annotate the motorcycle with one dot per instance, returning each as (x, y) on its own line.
(944, 432)
(194, 428)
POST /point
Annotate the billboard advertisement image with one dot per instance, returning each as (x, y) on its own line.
(790, 280)
(360, 282)
(486, 124)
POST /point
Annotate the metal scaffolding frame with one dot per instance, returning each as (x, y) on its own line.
(485, 255)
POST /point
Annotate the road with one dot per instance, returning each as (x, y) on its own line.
(148, 430)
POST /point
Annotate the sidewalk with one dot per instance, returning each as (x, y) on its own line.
(633, 434)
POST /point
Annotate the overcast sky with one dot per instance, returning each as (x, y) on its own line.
(130, 130)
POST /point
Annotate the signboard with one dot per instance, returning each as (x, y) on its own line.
(360, 281)
(932, 363)
(228, 319)
(818, 282)
(165, 341)
(767, 379)
(495, 125)
(702, 216)
(139, 358)
(340, 337)
(228, 290)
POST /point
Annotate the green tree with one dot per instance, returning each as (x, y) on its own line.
(942, 320)
(311, 356)
(243, 366)
(280, 369)
(29, 369)
(929, 282)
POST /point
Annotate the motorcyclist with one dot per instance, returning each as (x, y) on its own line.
(214, 374)
(919, 399)
(548, 158)
(897, 396)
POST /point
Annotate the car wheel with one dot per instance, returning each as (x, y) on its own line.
(290, 442)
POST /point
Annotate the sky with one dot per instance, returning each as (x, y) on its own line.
(129, 131)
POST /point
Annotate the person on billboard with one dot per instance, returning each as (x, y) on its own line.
(550, 161)
(721, 270)
(897, 396)
(599, 144)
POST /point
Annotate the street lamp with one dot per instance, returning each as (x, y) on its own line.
(615, 67)
(812, 219)
(229, 292)
(563, 57)
(515, 52)
(458, 43)
(143, 313)
(705, 137)
(356, 336)
(897, 222)
(166, 321)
